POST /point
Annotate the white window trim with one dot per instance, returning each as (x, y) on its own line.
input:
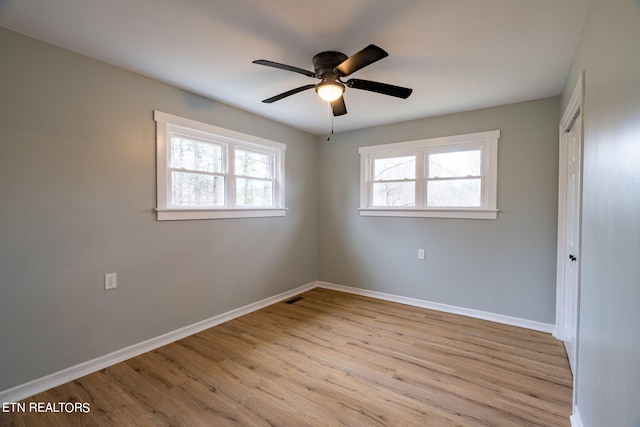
(166, 122)
(487, 141)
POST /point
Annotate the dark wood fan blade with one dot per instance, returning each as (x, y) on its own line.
(339, 107)
(288, 93)
(284, 67)
(366, 56)
(383, 88)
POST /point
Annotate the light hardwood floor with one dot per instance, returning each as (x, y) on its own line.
(331, 359)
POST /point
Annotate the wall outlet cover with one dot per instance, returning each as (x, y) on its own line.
(110, 281)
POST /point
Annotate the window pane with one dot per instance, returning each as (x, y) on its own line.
(195, 155)
(455, 164)
(254, 192)
(393, 168)
(192, 189)
(250, 163)
(463, 193)
(394, 194)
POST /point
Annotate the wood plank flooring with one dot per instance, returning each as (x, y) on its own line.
(330, 359)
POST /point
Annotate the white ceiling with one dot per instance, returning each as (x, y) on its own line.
(457, 55)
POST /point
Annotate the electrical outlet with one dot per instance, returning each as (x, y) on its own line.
(110, 281)
(422, 254)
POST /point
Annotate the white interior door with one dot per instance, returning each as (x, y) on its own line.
(572, 238)
(569, 224)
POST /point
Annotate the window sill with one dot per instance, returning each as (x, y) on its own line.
(224, 213)
(432, 213)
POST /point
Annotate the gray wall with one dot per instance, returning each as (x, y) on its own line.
(608, 379)
(504, 266)
(77, 188)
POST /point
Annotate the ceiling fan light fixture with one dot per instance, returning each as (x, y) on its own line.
(330, 67)
(330, 91)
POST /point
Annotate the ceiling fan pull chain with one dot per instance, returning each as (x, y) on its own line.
(330, 115)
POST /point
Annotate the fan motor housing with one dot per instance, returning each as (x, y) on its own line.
(326, 62)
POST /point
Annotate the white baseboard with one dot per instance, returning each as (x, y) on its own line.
(484, 315)
(39, 385)
(55, 379)
(576, 421)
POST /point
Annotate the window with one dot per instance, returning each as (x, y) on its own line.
(207, 172)
(449, 177)
(394, 181)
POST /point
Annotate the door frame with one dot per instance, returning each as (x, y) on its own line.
(574, 107)
(573, 110)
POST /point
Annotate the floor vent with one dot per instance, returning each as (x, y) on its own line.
(294, 300)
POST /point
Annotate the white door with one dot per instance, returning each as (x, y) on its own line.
(569, 224)
(572, 237)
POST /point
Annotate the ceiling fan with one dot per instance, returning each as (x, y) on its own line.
(330, 67)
